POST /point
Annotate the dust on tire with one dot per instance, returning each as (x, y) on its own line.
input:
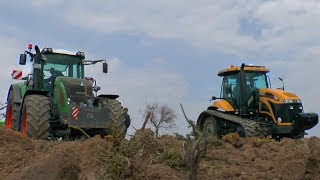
(116, 116)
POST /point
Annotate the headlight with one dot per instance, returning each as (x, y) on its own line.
(81, 54)
(287, 101)
(279, 120)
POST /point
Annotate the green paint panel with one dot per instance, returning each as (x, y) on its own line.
(60, 96)
(2, 122)
(23, 89)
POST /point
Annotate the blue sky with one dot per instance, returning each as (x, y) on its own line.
(170, 51)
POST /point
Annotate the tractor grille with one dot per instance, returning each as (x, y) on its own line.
(75, 91)
(287, 112)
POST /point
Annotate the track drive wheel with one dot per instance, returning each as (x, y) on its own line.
(210, 127)
(12, 113)
(117, 117)
(35, 117)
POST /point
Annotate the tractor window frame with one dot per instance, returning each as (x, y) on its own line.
(231, 81)
(69, 66)
(256, 80)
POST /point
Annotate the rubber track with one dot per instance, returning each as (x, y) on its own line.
(252, 128)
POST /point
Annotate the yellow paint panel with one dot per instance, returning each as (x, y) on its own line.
(281, 94)
(246, 68)
(223, 104)
(274, 120)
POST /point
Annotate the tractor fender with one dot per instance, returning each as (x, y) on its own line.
(204, 115)
(17, 97)
(29, 92)
(44, 93)
(109, 96)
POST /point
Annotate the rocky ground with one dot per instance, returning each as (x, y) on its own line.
(146, 157)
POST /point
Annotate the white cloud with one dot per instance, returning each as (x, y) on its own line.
(138, 86)
(160, 61)
(45, 3)
(286, 28)
(286, 25)
(281, 26)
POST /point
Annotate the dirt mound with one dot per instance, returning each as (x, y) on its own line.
(147, 157)
(23, 158)
(263, 159)
(61, 166)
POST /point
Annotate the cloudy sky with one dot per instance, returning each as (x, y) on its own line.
(170, 51)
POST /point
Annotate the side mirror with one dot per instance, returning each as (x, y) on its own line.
(228, 89)
(105, 67)
(23, 59)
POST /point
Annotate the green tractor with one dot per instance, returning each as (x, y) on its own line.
(57, 101)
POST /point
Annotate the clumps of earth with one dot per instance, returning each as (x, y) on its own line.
(145, 157)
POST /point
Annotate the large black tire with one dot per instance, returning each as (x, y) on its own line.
(210, 127)
(117, 117)
(35, 117)
(12, 120)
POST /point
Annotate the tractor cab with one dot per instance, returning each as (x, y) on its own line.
(240, 87)
(49, 64)
(60, 64)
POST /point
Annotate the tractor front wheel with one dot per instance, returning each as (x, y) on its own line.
(35, 117)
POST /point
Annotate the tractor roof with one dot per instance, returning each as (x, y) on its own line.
(248, 68)
(57, 51)
(61, 51)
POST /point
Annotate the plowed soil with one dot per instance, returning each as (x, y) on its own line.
(146, 157)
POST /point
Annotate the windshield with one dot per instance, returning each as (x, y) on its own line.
(256, 80)
(62, 65)
(230, 82)
(231, 86)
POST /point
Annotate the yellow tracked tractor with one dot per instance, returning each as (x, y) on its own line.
(247, 105)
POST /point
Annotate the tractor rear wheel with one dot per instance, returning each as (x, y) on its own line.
(35, 116)
(210, 127)
(117, 117)
(12, 113)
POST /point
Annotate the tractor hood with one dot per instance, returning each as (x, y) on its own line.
(69, 90)
(279, 95)
(77, 87)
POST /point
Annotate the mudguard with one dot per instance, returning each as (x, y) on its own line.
(17, 97)
(109, 96)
